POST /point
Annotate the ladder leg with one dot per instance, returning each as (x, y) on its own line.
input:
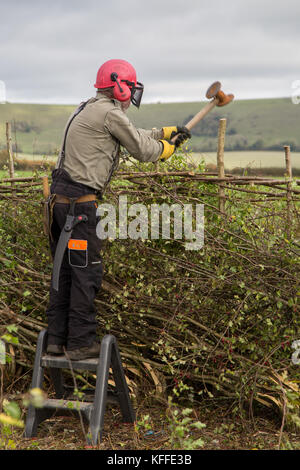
(97, 415)
(32, 419)
(109, 357)
(121, 385)
(57, 380)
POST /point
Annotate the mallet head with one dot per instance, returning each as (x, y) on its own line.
(214, 91)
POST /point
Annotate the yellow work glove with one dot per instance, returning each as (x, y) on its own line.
(180, 132)
(168, 150)
(167, 131)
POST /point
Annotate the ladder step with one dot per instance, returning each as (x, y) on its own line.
(61, 362)
(59, 404)
(112, 395)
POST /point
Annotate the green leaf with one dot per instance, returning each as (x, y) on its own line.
(12, 328)
(12, 409)
(10, 339)
(199, 425)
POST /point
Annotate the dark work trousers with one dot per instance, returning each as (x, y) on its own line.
(71, 312)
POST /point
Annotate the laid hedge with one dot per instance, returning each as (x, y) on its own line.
(217, 322)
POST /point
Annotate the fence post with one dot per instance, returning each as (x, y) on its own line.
(45, 187)
(288, 174)
(220, 163)
(11, 167)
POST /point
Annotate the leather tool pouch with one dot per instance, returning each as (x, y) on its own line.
(48, 215)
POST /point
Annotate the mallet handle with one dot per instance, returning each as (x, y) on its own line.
(204, 111)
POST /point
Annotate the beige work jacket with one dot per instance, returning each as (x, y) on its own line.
(94, 138)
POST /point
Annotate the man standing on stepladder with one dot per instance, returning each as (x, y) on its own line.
(88, 158)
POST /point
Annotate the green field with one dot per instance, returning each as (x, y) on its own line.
(36, 157)
(18, 174)
(266, 122)
(254, 159)
(242, 159)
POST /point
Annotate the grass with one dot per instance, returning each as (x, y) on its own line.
(252, 159)
(36, 157)
(240, 159)
(255, 159)
(18, 174)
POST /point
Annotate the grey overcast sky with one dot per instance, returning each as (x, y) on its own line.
(50, 51)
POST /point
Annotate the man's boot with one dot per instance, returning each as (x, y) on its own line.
(55, 349)
(86, 352)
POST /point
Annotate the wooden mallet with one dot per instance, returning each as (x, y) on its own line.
(219, 98)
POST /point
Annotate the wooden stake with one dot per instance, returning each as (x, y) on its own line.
(10, 151)
(288, 166)
(220, 162)
(288, 162)
(46, 191)
(11, 169)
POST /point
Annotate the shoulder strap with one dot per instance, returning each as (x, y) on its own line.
(62, 153)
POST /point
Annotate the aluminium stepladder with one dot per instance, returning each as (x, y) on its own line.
(91, 412)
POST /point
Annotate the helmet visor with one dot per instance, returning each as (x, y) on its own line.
(136, 92)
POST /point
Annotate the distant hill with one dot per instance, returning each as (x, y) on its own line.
(262, 124)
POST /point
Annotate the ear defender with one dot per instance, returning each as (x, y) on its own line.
(121, 93)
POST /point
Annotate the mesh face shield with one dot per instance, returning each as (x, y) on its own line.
(136, 92)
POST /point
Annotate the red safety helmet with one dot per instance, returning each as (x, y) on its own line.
(120, 75)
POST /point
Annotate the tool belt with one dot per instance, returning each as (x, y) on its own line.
(66, 200)
(59, 199)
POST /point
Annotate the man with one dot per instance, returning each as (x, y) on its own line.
(89, 156)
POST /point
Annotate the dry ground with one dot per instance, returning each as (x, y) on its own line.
(222, 432)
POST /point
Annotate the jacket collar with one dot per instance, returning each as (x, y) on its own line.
(102, 97)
